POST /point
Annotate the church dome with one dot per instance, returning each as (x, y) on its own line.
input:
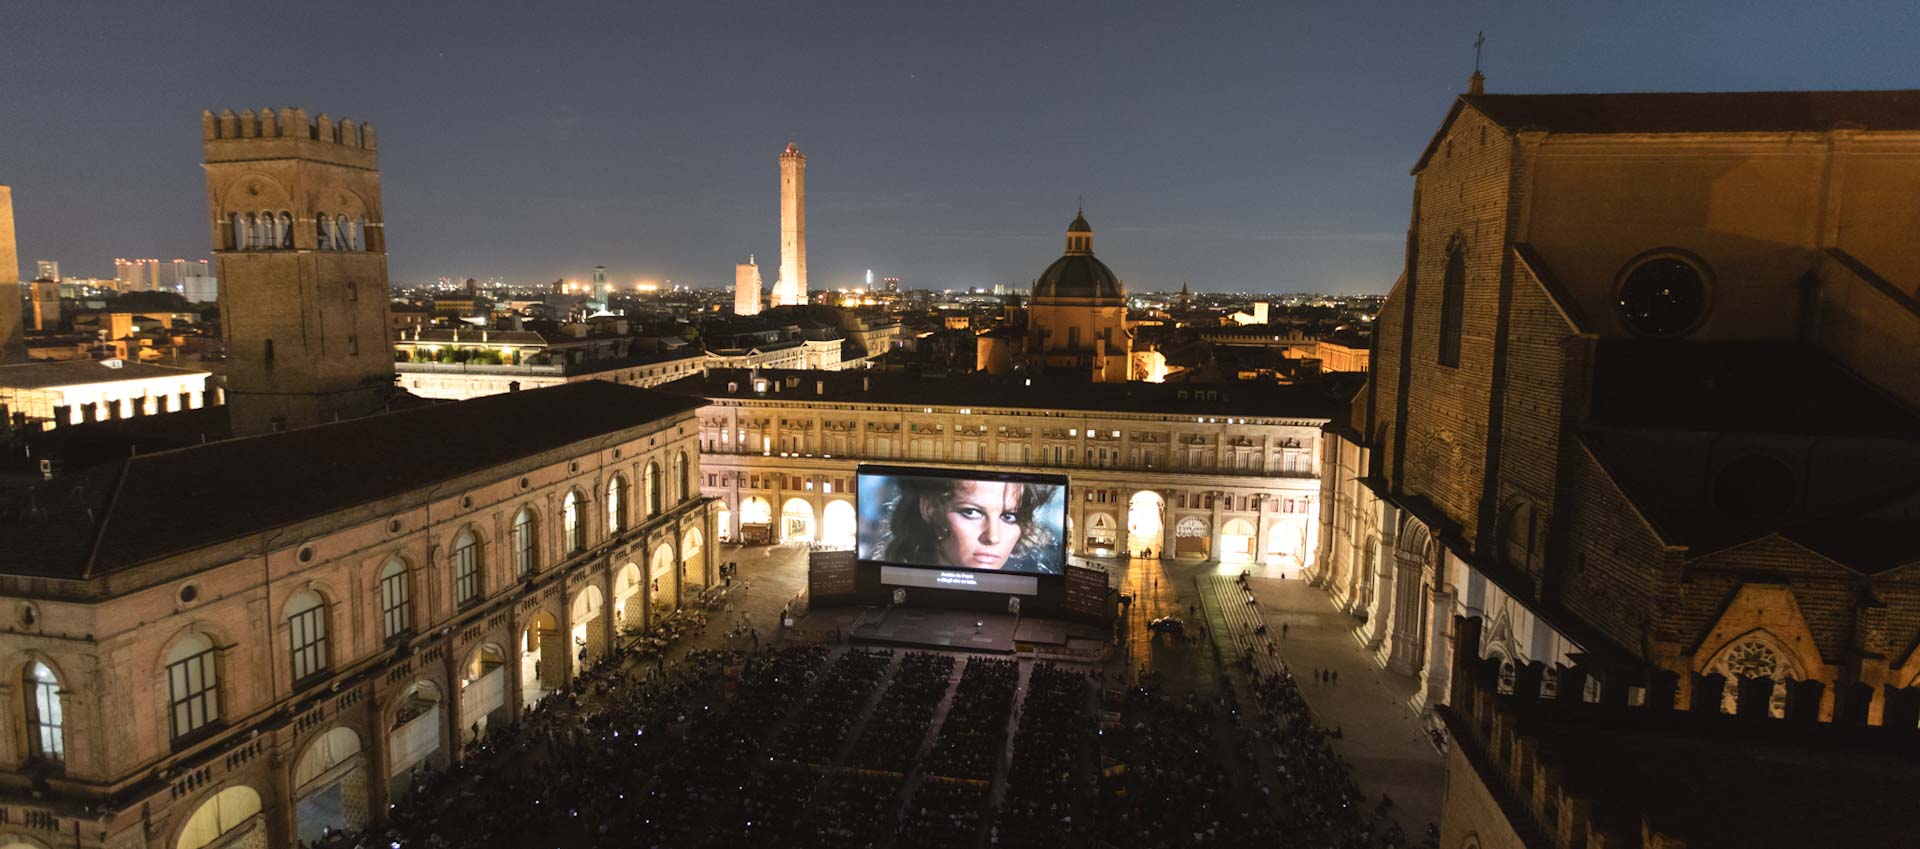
(1078, 274)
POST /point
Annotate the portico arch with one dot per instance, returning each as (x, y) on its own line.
(693, 559)
(229, 816)
(1237, 541)
(660, 578)
(756, 520)
(1146, 522)
(1193, 537)
(483, 690)
(628, 611)
(588, 634)
(797, 521)
(543, 658)
(1102, 534)
(838, 525)
(413, 735)
(330, 785)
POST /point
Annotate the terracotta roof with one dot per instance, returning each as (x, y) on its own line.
(154, 505)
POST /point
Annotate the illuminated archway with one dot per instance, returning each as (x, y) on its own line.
(1103, 534)
(628, 613)
(330, 785)
(543, 658)
(589, 639)
(838, 526)
(1145, 525)
(413, 736)
(1237, 541)
(693, 558)
(660, 573)
(1193, 537)
(483, 690)
(723, 524)
(796, 521)
(756, 520)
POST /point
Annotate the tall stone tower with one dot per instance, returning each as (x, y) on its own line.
(791, 289)
(302, 262)
(600, 283)
(13, 341)
(746, 288)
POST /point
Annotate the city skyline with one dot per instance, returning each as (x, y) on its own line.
(1236, 152)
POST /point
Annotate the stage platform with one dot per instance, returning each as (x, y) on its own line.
(952, 630)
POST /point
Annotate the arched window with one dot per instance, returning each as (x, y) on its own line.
(253, 231)
(653, 489)
(681, 471)
(1453, 298)
(46, 728)
(342, 233)
(238, 236)
(466, 567)
(360, 233)
(526, 543)
(396, 615)
(574, 522)
(616, 505)
(193, 685)
(286, 230)
(1517, 535)
(320, 232)
(269, 229)
(307, 634)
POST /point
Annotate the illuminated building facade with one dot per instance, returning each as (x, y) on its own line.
(1163, 468)
(1643, 401)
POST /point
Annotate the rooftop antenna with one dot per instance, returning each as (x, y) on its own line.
(1477, 84)
(1080, 205)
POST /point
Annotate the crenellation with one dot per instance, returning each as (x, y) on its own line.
(349, 132)
(269, 127)
(229, 124)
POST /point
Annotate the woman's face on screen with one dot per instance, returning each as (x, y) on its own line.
(980, 525)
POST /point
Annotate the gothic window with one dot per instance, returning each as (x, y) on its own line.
(307, 634)
(253, 231)
(395, 617)
(269, 230)
(1517, 535)
(342, 233)
(286, 230)
(1664, 296)
(193, 686)
(466, 567)
(1508, 673)
(237, 237)
(1753, 656)
(321, 232)
(526, 540)
(46, 724)
(1453, 296)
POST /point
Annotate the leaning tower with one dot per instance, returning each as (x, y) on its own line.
(302, 264)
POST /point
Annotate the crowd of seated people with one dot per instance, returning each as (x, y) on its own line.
(892, 738)
(975, 729)
(816, 734)
(1049, 797)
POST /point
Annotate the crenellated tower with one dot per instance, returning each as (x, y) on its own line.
(302, 262)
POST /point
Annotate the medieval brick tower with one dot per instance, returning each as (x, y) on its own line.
(13, 344)
(302, 263)
(791, 288)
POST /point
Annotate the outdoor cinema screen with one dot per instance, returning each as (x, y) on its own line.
(952, 519)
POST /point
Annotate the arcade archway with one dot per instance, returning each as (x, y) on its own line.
(330, 785)
(543, 658)
(483, 691)
(796, 521)
(413, 737)
(839, 524)
(628, 613)
(756, 520)
(1237, 541)
(693, 561)
(1145, 527)
(589, 639)
(1193, 538)
(1103, 534)
(660, 573)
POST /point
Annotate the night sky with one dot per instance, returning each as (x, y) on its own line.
(1257, 147)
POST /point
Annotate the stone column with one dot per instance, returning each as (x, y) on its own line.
(1381, 610)
(1437, 675)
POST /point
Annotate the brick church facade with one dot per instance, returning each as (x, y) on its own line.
(1643, 402)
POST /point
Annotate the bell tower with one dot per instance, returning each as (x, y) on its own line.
(302, 260)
